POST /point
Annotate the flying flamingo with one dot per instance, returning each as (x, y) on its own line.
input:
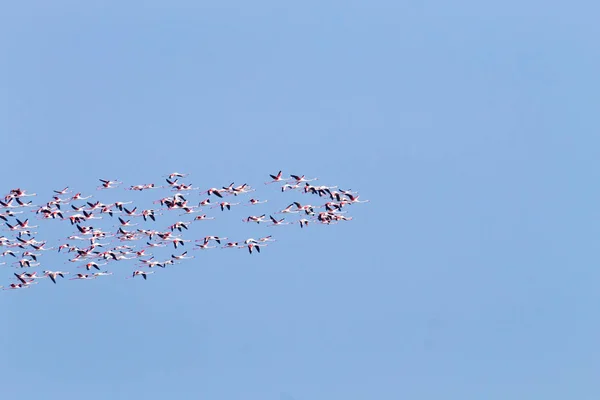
(202, 217)
(92, 264)
(156, 244)
(215, 191)
(53, 274)
(287, 186)
(302, 178)
(287, 210)
(103, 273)
(83, 277)
(178, 241)
(232, 245)
(181, 256)
(215, 238)
(64, 191)
(150, 263)
(225, 204)
(143, 274)
(108, 184)
(177, 175)
(148, 214)
(257, 219)
(204, 202)
(354, 199)
(78, 196)
(63, 246)
(17, 286)
(276, 178)
(22, 277)
(125, 223)
(276, 222)
(120, 204)
(203, 246)
(255, 201)
(253, 245)
(8, 252)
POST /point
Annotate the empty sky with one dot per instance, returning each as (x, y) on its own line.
(471, 128)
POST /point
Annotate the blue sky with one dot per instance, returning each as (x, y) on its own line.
(470, 127)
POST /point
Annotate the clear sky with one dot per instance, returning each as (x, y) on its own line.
(471, 127)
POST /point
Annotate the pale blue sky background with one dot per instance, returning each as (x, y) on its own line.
(471, 127)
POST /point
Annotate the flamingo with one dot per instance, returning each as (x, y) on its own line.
(150, 262)
(184, 187)
(178, 241)
(78, 209)
(302, 178)
(287, 210)
(255, 201)
(288, 186)
(30, 254)
(92, 264)
(136, 187)
(148, 214)
(120, 204)
(143, 274)
(181, 256)
(33, 275)
(132, 212)
(204, 246)
(103, 273)
(303, 222)
(89, 215)
(215, 238)
(165, 263)
(320, 190)
(225, 204)
(108, 184)
(241, 189)
(202, 217)
(232, 245)
(276, 222)
(83, 277)
(78, 196)
(215, 191)
(125, 223)
(95, 206)
(63, 191)
(156, 244)
(254, 246)
(25, 232)
(257, 219)
(17, 286)
(266, 239)
(63, 246)
(178, 225)
(107, 210)
(26, 263)
(354, 199)
(190, 210)
(86, 230)
(177, 175)
(11, 227)
(9, 213)
(22, 277)
(276, 178)
(53, 274)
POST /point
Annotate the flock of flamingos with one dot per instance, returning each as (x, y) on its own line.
(95, 250)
